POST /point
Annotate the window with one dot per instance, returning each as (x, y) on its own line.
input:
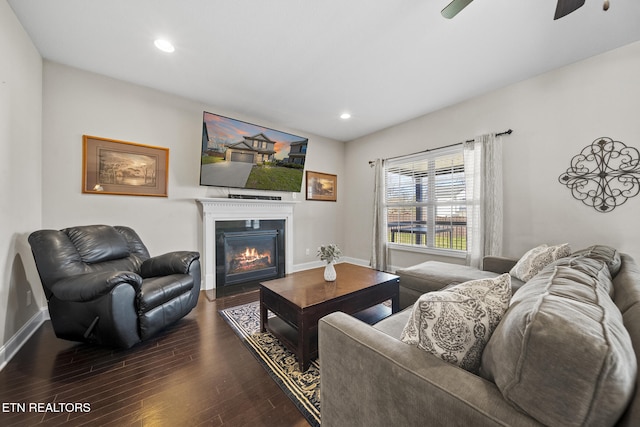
(425, 200)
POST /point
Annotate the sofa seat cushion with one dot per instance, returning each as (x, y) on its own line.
(394, 325)
(561, 353)
(456, 323)
(158, 290)
(434, 275)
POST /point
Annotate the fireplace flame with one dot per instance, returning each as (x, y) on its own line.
(251, 255)
(250, 259)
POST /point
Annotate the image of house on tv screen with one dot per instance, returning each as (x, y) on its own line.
(242, 155)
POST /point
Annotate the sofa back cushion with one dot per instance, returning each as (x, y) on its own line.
(606, 254)
(561, 353)
(627, 285)
(627, 298)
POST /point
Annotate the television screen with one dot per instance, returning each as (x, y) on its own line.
(242, 155)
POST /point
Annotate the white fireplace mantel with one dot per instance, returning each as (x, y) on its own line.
(220, 209)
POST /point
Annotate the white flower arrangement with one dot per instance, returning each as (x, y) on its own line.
(329, 253)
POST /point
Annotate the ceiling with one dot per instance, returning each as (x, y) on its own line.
(301, 63)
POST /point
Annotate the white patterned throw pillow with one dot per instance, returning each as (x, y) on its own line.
(456, 323)
(538, 258)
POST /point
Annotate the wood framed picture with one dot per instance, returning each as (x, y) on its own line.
(322, 186)
(126, 168)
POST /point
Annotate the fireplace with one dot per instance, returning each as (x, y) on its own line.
(249, 251)
(222, 210)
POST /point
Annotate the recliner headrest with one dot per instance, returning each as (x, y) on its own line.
(98, 243)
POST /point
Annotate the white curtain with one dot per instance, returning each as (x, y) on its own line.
(483, 175)
(379, 236)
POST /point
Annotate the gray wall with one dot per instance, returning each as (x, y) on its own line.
(20, 174)
(78, 102)
(553, 116)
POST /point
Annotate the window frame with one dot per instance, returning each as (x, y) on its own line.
(428, 158)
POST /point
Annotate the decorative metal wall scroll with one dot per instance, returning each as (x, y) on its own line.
(604, 175)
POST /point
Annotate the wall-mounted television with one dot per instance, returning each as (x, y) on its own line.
(238, 154)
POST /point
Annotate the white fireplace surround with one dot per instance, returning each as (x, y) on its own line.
(219, 209)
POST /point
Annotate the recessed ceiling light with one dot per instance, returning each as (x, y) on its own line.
(164, 45)
(345, 116)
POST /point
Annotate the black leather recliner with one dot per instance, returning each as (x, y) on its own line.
(103, 287)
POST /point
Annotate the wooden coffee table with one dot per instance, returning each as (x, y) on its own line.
(300, 299)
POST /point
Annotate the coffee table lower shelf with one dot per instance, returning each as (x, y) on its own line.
(288, 335)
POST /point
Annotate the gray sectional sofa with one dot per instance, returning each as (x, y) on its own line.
(435, 275)
(565, 353)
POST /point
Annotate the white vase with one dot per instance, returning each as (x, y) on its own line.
(330, 272)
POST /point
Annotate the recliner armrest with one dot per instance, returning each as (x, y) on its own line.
(170, 263)
(89, 286)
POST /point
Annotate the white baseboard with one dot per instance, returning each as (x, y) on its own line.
(367, 263)
(307, 266)
(11, 347)
(357, 261)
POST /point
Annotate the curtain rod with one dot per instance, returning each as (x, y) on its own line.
(506, 132)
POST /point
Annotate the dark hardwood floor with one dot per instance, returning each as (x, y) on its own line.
(196, 372)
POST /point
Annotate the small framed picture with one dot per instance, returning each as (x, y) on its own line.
(126, 168)
(322, 186)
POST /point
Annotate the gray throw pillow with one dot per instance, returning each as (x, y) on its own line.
(536, 259)
(456, 323)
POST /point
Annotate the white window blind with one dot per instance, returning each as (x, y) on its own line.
(425, 200)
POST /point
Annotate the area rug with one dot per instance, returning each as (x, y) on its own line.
(303, 388)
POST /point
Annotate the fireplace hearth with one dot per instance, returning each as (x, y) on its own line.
(249, 251)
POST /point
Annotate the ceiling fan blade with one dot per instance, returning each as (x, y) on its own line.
(453, 8)
(565, 7)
